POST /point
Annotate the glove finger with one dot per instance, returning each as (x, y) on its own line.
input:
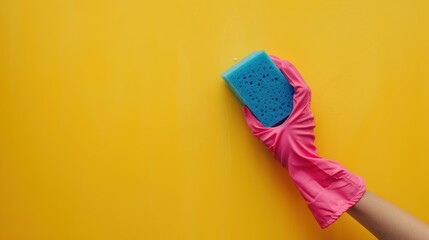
(289, 70)
(302, 96)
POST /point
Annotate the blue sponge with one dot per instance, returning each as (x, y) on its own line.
(259, 84)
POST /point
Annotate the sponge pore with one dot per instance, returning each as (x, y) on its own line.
(258, 83)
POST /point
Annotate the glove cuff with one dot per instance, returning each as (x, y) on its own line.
(337, 198)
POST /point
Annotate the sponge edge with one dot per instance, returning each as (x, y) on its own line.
(258, 83)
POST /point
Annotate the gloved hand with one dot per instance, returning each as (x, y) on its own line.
(328, 188)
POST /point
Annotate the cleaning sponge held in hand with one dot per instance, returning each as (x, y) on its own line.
(259, 84)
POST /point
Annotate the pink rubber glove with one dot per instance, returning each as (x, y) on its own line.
(328, 188)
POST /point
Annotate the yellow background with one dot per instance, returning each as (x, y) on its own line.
(115, 123)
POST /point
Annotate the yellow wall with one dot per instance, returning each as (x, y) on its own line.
(115, 123)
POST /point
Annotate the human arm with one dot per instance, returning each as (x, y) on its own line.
(387, 221)
(328, 188)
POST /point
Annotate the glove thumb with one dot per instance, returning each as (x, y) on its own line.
(255, 126)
